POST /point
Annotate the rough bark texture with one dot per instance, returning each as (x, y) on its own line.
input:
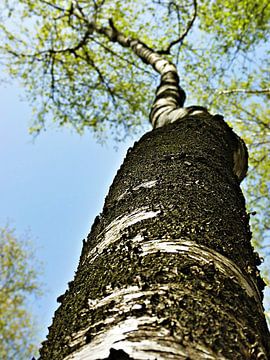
(168, 271)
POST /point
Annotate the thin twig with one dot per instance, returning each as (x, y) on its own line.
(246, 91)
(252, 116)
(52, 5)
(100, 75)
(182, 36)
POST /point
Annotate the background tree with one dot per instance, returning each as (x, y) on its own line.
(19, 283)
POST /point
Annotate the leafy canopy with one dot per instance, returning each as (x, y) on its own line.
(18, 282)
(75, 76)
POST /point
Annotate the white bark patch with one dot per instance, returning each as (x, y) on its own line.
(112, 232)
(169, 114)
(129, 336)
(125, 300)
(157, 344)
(146, 185)
(127, 294)
(202, 253)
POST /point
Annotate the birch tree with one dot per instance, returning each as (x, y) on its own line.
(168, 270)
(19, 282)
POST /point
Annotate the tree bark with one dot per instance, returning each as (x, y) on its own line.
(168, 270)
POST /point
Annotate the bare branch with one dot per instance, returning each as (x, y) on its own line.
(170, 97)
(52, 5)
(182, 36)
(246, 91)
(52, 76)
(100, 75)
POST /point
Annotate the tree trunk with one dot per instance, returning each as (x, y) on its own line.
(168, 271)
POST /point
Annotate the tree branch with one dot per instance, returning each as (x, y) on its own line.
(246, 91)
(170, 97)
(49, 3)
(109, 50)
(182, 36)
(253, 117)
(100, 75)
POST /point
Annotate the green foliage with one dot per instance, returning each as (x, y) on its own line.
(75, 76)
(243, 23)
(18, 282)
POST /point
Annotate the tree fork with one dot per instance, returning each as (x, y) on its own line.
(168, 105)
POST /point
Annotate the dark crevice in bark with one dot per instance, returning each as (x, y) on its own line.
(118, 355)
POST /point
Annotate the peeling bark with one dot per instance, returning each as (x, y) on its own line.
(168, 270)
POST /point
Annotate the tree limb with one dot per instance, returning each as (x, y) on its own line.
(182, 36)
(246, 91)
(170, 97)
(49, 3)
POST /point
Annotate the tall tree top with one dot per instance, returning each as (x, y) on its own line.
(76, 75)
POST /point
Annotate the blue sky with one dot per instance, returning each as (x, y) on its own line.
(53, 185)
